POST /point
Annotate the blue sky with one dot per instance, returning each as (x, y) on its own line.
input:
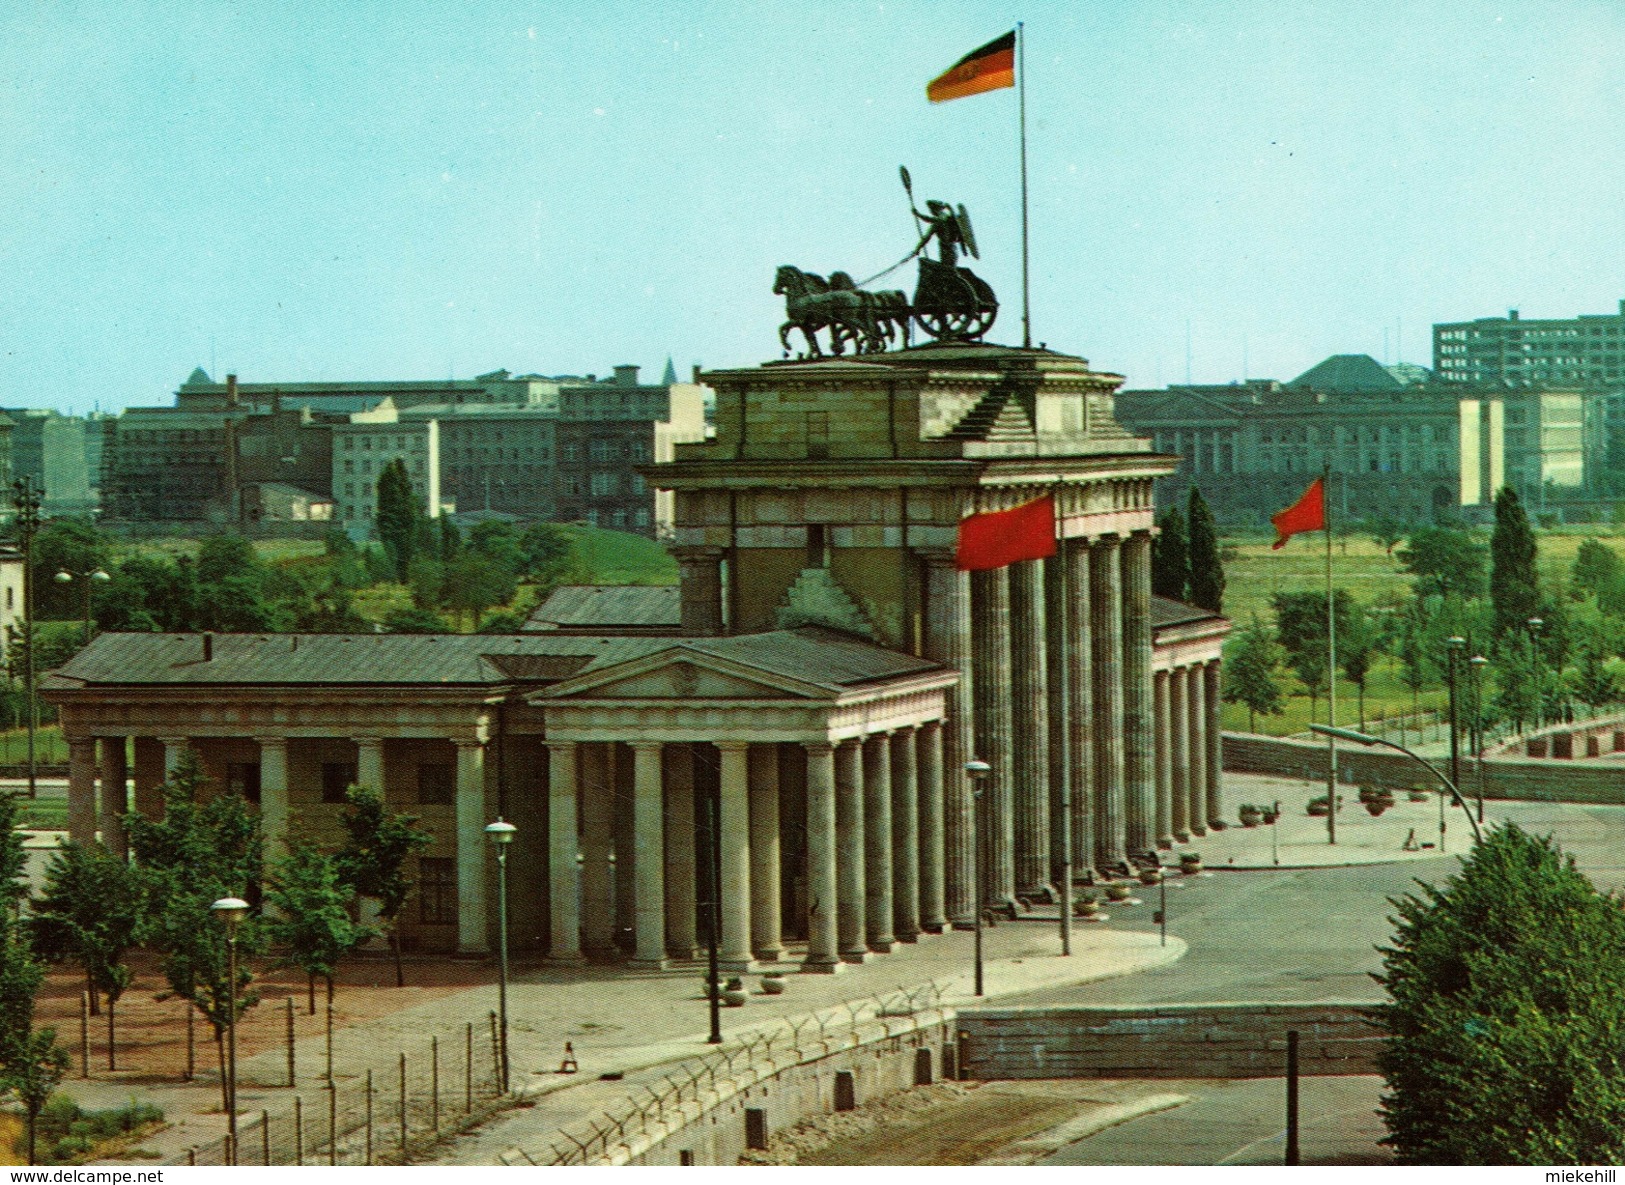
(323, 190)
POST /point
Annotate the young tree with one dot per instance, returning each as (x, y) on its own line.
(1170, 558)
(89, 913)
(311, 922)
(1596, 569)
(399, 516)
(474, 583)
(549, 555)
(1506, 1013)
(1300, 627)
(1251, 659)
(372, 862)
(1207, 571)
(1387, 533)
(191, 857)
(1514, 589)
(1594, 680)
(1356, 650)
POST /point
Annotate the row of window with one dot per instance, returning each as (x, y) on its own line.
(350, 442)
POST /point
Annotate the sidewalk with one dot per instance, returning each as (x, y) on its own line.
(621, 1022)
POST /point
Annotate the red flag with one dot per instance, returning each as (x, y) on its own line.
(1308, 513)
(1003, 537)
(987, 69)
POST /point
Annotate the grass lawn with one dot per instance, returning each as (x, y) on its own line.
(616, 557)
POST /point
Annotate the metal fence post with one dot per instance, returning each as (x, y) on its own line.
(298, 1130)
(332, 1122)
(1292, 1096)
(434, 1085)
(468, 1070)
(291, 1079)
(403, 1105)
(265, 1138)
(369, 1118)
(191, 1046)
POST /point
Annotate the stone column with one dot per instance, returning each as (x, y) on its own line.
(82, 790)
(1179, 750)
(766, 929)
(682, 936)
(990, 602)
(877, 853)
(1058, 770)
(564, 846)
(1139, 766)
(369, 763)
(471, 844)
(174, 749)
(597, 844)
(1080, 706)
(734, 952)
(933, 900)
(648, 868)
(948, 641)
(274, 794)
(1213, 766)
(822, 935)
(1029, 729)
(1106, 618)
(115, 800)
(905, 835)
(1165, 762)
(1196, 750)
(852, 937)
(699, 574)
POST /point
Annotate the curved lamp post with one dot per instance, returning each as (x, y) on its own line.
(88, 580)
(231, 911)
(1535, 625)
(1475, 666)
(1360, 738)
(500, 834)
(978, 772)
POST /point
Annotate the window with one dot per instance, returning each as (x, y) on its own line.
(602, 450)
(437, 890)
(570, 452)
(243, 779)
(603, 483)
(437, 784)
(337, 777)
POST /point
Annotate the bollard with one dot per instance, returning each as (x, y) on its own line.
(1292, 1096)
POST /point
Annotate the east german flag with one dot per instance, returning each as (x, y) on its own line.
(987, 69)
(1003, 537)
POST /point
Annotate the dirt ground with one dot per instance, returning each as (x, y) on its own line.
(951, 1123)
(151, 1024)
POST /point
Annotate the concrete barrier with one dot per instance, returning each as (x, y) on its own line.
(1166, 1041)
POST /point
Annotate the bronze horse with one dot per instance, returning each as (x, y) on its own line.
(866, 319)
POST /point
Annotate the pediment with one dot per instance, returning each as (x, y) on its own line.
(679, 677)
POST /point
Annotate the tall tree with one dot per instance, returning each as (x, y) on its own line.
(1445, 561)
(1300, 627)
(1251, 659)
(1514, 587)
(399, 517)
(1207, 570)
(1170, 557)
(372, 861)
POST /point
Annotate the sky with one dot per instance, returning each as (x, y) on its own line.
(301, 190)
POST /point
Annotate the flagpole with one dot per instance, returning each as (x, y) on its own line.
(1021, 105)
(1331, 666)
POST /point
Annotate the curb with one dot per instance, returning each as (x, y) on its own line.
(1034, 1148)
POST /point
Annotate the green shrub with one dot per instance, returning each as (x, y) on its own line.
(71, 1135)
(1506, 1014)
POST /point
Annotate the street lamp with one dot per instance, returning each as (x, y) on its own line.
(231, 911)
(500, 834)
(1535, 624)
(89, 580)
(1454, 645)
(1360, 738)
(977, 771)
(1476, 665)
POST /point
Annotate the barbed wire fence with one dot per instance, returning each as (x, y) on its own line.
(692, 1087)
(382, 1114)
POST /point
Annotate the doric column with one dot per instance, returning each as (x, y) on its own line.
(948, 641)
(766, 930)
(564, 846)
(274, 793)
(115, 801)
(174, 749)
(933, 901)
(990, 605)
(1139, 759)
(1058, 771)
(369, 763)
(1196, 749)
(682, 937)
(699, 575)
(852, 937)
(1106, 650)
(1179, 751)
(1165, 761)
(877, 856)
(1029, 729)
(597, 845)
(1080, 706)
(735, 779)
(648, 826)
(1212, 732)
(822, 935)
(82, 790)
(471, 844)
(905, 835)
